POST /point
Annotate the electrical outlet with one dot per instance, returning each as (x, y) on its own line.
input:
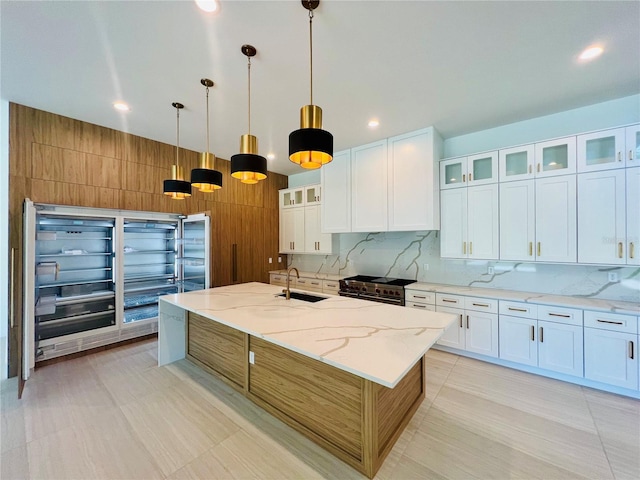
(425, 267)
(279, 259)
(252, 358)
(490, 270)
(270, 260)
(613, 277)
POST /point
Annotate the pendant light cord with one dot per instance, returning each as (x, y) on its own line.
(249, 83)
(311, 54)
(207, 121)
(177, 134)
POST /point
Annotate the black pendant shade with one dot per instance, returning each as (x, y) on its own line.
(248, 167)
(310, 147)
(177, 189)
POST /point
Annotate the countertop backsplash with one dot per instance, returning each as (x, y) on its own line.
(416, 255)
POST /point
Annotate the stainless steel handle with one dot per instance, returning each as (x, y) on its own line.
(467, 322)
(630, 154)
(619, 249)
(417, 305)
(517, 309)
(609, 322)
(551, 314)
(13, 282)
(631, 249)
(533, 333)
(449, 301)
(631, 350)
(460, 320)
(619, 156)
(541, 334)
(531, 249)
(234, 265)
(480, 305)
(539, 248)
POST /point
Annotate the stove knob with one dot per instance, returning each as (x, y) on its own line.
(377, 290)
(397, 294)
(385, 292)
(364, 289)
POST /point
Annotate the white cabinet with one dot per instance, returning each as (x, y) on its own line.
(336, 200)
(469, 222)
(369, 187)
(555, 157)
(413, 195)
(632, 145)
(516, 163)
(602, 217)
(291, 230)
(293, 197)
(601, 150)
(312, 195)
(560, 347)
(633, 215)
(314, 240)
(518, 340)
(556, 227)
(611, 349)
(478, 169)
(517, 220)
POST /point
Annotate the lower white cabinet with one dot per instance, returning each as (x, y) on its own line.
(611, 357)
(518, 340)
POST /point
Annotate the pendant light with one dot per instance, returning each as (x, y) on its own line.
(310, 146)
(247, 166)
(205, 178)
(177, 188)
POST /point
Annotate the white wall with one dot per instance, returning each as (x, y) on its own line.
(308, 177)
(4, 236)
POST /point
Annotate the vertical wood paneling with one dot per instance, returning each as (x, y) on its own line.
(59, 160)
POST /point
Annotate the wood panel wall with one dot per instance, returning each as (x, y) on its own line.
(59, 160)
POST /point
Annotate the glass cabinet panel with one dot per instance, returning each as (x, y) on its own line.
(601, 150)
(482, 168)
(453, 173)
(555, 157)
(312, 194)
(516, 163)
(291, 198)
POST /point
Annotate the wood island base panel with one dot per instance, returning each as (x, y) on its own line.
(348, 374)
(355, 419)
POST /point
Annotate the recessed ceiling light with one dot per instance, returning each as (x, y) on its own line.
(209, 6)
(123, 107)
(591, 53)
(373, 123)
(270, 156)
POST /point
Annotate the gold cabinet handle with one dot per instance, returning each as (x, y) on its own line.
(533, 333)
(619, 249)
(631, 350)
(538, 168)
(464, 248)
(531, 249)
(464, 178)
(530, 169)
(631, 249)
(470, 248)
(517, 309)
(467, 322)
(540, 335)
(539, 248)
(470, 179)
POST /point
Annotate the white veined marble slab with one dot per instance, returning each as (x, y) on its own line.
(375, 341)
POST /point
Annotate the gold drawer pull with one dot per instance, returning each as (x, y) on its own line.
(315, 283)
(538, 168)
(631, 249)
(464, 248)
(517, 309)
(464, 178)
(619, 249)
(470, 177)
(530, 249)
(480, 305)
(539, 248)
(559, 315)
(533, 333)
(609, 322)
(470, 248)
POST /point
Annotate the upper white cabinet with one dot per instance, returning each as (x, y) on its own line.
(312, 195)
(369, 187)
(602, 217)
(516, 163)
(632, 145)
(479, 169)
(556, 228)
(517, 221)
(469, 225)
(601, 150)
(412, 176)
(633, 215)
(336, 199)
(292, 197)
(555, 157)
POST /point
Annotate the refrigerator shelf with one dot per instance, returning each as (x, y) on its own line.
(146, 252)
(79, 282)
(141, 313)
(97, 295)
(146, 288)
(141, 278)
(87, 254)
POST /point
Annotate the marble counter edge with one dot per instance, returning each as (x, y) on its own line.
(612, 306)
(318, 276)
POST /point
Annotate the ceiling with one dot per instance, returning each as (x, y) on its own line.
(459, 66)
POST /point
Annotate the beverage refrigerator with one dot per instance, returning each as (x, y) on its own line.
(93, 276)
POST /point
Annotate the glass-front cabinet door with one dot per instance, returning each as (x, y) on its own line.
(292, 197)
(516, 163)
(601, 150)
(312, 195)
(555, 157)
(632, 145)
(482, 168)
(453, 173)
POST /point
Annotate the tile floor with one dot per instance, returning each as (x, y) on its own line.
(116, 415)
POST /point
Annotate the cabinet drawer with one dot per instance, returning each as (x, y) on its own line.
(611, 321)
(312, 284)
(330, 286)
(518, 309)
(420, 296)
(568, 316)
(480, 304)
(447, 300)
(278, 279)
(421, 306)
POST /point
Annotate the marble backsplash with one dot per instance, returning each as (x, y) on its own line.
(416, 255)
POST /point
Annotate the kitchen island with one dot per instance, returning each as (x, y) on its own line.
(349, 374)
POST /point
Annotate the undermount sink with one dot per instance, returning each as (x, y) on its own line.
(305, 297)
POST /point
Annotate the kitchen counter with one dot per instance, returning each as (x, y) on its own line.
(372, 340)
(348, 374)
(613, 306)
(319, 276)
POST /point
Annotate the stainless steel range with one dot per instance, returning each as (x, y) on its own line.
(377, 289)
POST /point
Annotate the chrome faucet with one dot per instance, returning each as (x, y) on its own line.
(287, 291)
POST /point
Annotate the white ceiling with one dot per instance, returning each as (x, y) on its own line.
(459, 66)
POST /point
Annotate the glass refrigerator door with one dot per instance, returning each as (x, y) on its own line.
(150, 269)
(194, 253)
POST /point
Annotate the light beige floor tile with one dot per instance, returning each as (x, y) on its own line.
(407, 469)
(46, 409)
(174, 429)
(207, 466)
(14, 464)
(12, 430)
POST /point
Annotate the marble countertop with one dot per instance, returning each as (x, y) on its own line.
(319, 276)
(613, 306)
(375, 341)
